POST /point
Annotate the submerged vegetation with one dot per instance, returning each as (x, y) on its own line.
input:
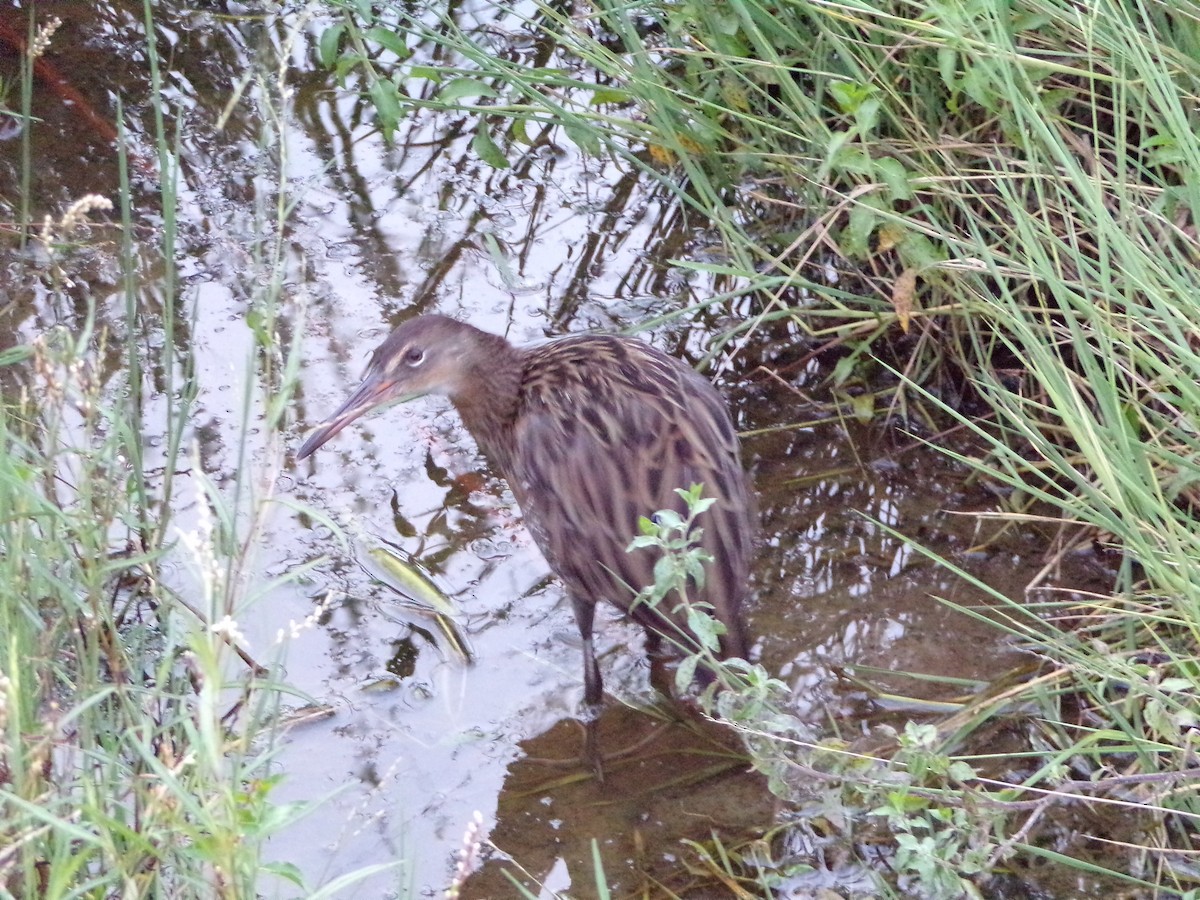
(984, 213)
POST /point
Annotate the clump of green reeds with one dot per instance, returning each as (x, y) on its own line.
(136, 732)
(127, 762)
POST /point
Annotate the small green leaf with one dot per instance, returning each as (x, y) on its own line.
(701, 625)
(344, 64)
(1163, 150)
(978, 84)
(519, 131)
(429, 73)
(586, 139)
(385, 97)
(866, 117)
(668, 519)
(854, 158)
(844, 369)
(285, 870)
(461, 88)
(329, 44)
(388, 40)
(727, 23)
(948, 66)
(849, 95)
(960, 771)
(485, 148)
(686, 673)
(609, 95)
(895, 176)
(256, 322)
(1030, 21)
(856, 236)
(918, 252)
(693, 565)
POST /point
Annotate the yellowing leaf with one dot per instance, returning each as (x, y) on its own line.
(902, 297)
(889, 236)
(407, 576)
(661, 155)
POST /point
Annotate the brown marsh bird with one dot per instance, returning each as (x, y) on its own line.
(591, 433)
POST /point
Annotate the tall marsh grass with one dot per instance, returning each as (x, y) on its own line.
(136, 734)
(128, 761)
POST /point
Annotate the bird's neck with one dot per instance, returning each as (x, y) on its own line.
(487, 402)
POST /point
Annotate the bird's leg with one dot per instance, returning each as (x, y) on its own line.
(660, 674)
(662, 678)
(593, 686)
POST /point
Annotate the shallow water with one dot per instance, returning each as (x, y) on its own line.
(416, 740)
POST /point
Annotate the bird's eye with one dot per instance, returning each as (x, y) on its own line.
(414, 356)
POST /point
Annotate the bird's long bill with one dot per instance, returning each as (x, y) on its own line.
(375, 390)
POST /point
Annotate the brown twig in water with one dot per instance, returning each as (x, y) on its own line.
(51, 76)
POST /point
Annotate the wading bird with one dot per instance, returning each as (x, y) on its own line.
(591, 432)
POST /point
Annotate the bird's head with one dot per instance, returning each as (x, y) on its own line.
(425, 355)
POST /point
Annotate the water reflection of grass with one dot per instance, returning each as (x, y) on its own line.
(1006, 194)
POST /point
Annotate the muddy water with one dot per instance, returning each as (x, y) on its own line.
(413, 740)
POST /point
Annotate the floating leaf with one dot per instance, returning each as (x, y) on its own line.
(407, 577)
(381, 685)
(305, 715)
